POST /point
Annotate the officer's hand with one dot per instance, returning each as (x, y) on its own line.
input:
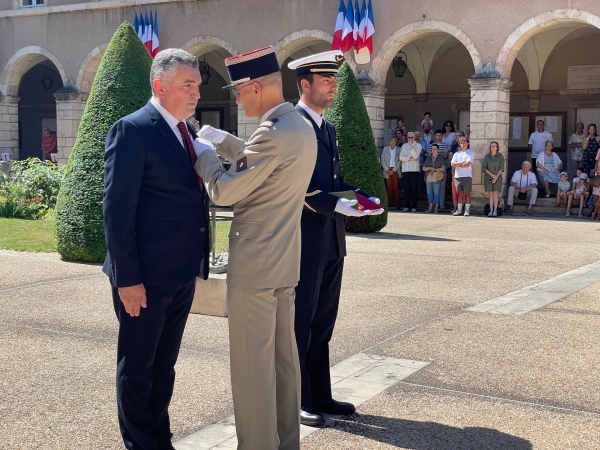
(375, 199)
(375, 212)
(212, 134)
(345, 207)
(133, 298)
(201, 145)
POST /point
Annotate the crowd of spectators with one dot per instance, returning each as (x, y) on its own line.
(425, 163)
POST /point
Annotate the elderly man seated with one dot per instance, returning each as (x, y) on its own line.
(524, 182)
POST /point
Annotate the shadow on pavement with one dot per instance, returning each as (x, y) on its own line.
(404, 237)
(427, 435)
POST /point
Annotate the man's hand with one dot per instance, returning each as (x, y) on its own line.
(345, 207)
(133, 298)
(390, 172)
(212, 134)
(201, 145)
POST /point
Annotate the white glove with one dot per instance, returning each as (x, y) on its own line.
(201, 145)
(212, 134)
(375, 212)
(375, 199)
(345, 207)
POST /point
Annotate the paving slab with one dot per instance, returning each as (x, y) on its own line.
(544, 357)
(27, 268)
(415, 418)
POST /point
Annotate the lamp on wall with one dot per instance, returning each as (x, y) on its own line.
(205, 71)
(399, 65)
(47, 80)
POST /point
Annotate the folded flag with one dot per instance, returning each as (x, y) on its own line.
(364, 204)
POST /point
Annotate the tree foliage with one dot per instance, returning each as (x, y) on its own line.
(121, 86)
(358, 155)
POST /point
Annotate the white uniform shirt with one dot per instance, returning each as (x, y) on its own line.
(538, 141)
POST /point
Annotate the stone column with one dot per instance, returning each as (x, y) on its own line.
(490, 104)
(70, 104)
(420, 108)
(246, 125)
(9, 126)
(374, 97)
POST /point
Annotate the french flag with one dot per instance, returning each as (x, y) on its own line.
(369, 27)
(355, 22)
(155, 44)
(140, 27)
(360, 26)
(348, 29)
(336, 44)
(148, 33)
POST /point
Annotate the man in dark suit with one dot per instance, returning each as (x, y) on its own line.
(323, 241)
(156, 226)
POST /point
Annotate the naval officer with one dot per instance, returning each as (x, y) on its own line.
(267, 183)
(323, 241)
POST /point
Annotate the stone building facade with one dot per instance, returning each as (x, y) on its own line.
(496, 68)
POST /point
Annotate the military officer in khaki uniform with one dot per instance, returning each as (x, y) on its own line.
(267, 183)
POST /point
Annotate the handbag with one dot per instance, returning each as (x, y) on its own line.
(434, 177)
(595, 181)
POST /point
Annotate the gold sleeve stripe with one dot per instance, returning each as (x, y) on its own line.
(310, 194)
(308, 206)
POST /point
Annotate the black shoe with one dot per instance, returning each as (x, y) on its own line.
(336, 408)
(310, 417)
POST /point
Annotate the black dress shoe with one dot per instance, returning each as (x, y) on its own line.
(310, 417)
(336, 408)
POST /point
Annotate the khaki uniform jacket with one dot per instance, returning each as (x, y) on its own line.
(266, 183)
(386, 163)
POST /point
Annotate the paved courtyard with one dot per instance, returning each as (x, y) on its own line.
(455, 372)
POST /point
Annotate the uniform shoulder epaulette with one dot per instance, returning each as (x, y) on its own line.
(269, 123)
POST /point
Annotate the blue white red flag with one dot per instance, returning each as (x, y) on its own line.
(348, 28)
(369, 27)
(148, 33)
(336, 44)
(155, 44)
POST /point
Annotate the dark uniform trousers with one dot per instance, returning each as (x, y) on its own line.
(147, 351)
(317, 301)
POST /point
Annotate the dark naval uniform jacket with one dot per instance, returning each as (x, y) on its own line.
(323, 233)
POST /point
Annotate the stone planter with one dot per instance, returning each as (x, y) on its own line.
(211, 296)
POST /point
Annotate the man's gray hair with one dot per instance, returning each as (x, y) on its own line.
(167, 60)
(526, 163)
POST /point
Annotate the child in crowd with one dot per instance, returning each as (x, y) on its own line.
(427, 119)
(580, 192)
(564, 187)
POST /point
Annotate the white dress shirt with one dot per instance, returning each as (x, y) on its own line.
(392, 155)
(317, 118)
(171, 120)
(265, 115)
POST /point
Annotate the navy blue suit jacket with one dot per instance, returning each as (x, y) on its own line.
(155, 214)
(323, 232)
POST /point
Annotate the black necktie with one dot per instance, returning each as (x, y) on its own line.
(324, 131)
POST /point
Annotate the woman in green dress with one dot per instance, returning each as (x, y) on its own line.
(492, 167)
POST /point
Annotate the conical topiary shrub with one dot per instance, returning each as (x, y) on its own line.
(121, 87)
(358, 155)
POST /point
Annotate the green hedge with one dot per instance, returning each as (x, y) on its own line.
(360, 166)
(121, 87)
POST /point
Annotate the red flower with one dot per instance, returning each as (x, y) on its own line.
(27, 201)
(37, 199)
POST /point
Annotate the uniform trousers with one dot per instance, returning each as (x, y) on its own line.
(147, 351)
(265, 373)
(317, 301)
(392, 187)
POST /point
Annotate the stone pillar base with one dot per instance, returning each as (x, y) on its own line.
(211, 296)
(9, 126)
(374, 97)
(70, 105)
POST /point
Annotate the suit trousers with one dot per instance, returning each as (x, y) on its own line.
(392, 187)
(265, 373)
(317, 301)
(410, 181)
(147, 351)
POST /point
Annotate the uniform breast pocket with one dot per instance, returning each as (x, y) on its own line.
(243, 247)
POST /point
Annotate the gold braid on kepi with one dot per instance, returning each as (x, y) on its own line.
(251, 65)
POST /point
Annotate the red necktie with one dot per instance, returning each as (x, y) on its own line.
(189, 147)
